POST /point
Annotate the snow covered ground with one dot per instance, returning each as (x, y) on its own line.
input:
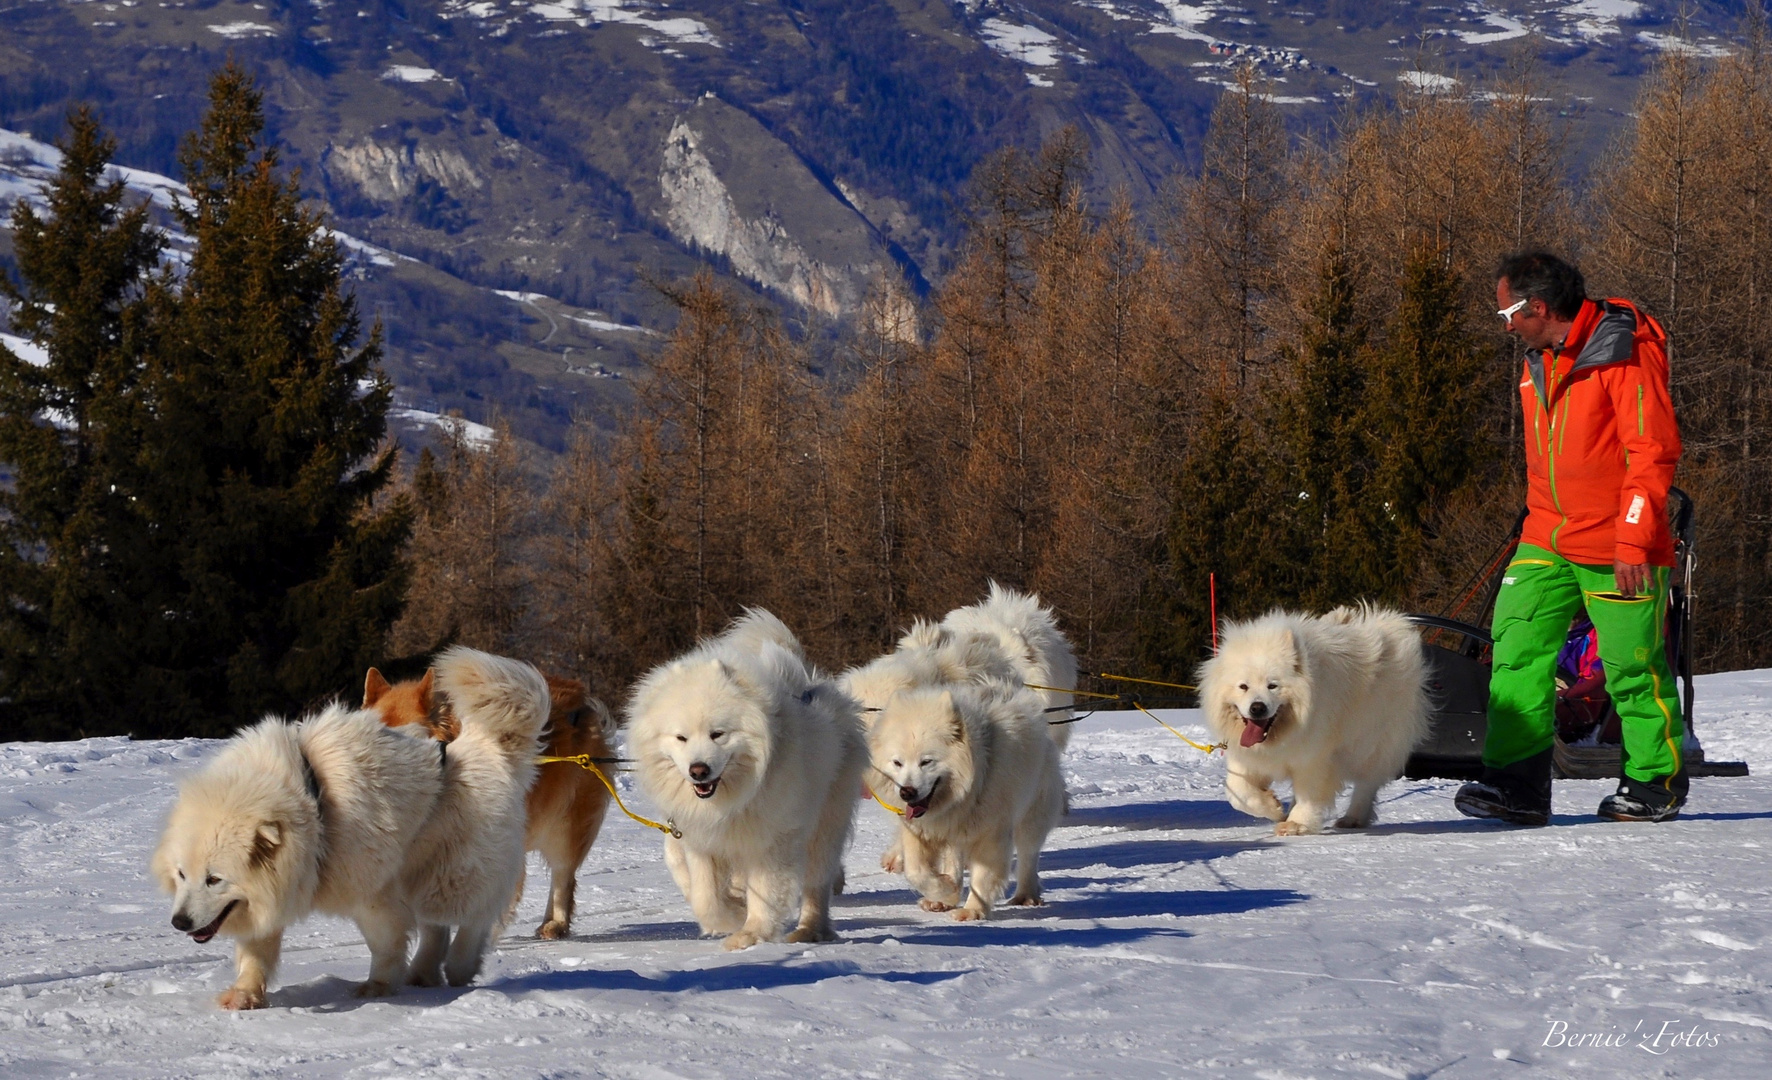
(1181, 939)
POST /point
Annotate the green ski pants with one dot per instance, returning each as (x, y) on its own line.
(1540, 595)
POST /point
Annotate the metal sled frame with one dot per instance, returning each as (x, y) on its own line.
(1459, 674)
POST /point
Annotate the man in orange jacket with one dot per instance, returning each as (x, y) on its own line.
(1601, 446)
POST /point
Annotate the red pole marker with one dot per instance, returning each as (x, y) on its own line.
(1212, 587)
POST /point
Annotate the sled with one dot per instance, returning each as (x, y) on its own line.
(1459, 662)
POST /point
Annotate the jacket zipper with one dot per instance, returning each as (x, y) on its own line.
(1551, 455)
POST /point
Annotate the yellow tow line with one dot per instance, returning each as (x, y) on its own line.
(869, 788)
(584, 761)
(1148, 682)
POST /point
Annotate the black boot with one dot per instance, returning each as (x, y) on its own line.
(1638, 801)
(1519, 794)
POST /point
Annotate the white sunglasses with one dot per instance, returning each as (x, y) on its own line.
(1507, 313)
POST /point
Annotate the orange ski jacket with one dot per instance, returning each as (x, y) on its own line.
(1601, 441)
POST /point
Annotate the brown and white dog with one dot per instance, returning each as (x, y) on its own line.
(566, 803)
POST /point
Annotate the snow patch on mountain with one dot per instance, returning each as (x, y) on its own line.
(409, 74)
(478, 436)
(1028, 44)
(1599, 18)
(243, 30)
(1428, 82)
(587, 14)
(1185, 20)
(1505, 28)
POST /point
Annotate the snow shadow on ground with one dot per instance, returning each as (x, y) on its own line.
(1178, 814)
(1129, 854)
(1040, 925)
(977, 935)
(656, 931)
(754, 976)
(331, 994)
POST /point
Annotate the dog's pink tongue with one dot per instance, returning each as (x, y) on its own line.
(1252, 733)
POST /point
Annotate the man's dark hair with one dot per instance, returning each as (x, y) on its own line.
(1539, 275)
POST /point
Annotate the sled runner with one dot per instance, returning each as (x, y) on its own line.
(1587, 728)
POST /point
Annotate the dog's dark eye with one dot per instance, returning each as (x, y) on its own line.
(1242, 686)
(212, 880)
(682, 738)
(895, 762)
(716, 735)
(1273, 686)
(181, 875)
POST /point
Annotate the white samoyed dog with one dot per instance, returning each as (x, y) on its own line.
(342, 815)
(1320, 701)
(927, 655)
(757, 759)
(973, 772)
(1028, 638)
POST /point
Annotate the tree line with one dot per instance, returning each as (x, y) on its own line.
(1286, 380)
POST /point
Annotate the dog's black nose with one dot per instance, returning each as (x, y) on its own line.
(1257, 710)
(182, 922)
(907, 793)
(699, 772)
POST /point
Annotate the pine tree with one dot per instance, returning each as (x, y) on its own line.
(70, 431)
(1422, 422)
(469, 541)
(1329, 466)
(1228, 520)
(279, 571)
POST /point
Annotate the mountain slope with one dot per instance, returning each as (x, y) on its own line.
(579, 148)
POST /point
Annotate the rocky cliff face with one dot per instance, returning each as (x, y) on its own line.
(389, 174)
(731, 188)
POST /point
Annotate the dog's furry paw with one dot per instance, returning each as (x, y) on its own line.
(934, 905)
(812, 935)
(375, 988)
(893, 861)
(554, 930)
(1294, 828)
(1018, 900)
(1351, 822)
(967, 914)
(237, 998)
(744, 939)
(422, 978)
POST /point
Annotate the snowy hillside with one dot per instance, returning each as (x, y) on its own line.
(1181, 938)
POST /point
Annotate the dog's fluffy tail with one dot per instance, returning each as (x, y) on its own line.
(757, 627)
(506, 699)
(1028, 632)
